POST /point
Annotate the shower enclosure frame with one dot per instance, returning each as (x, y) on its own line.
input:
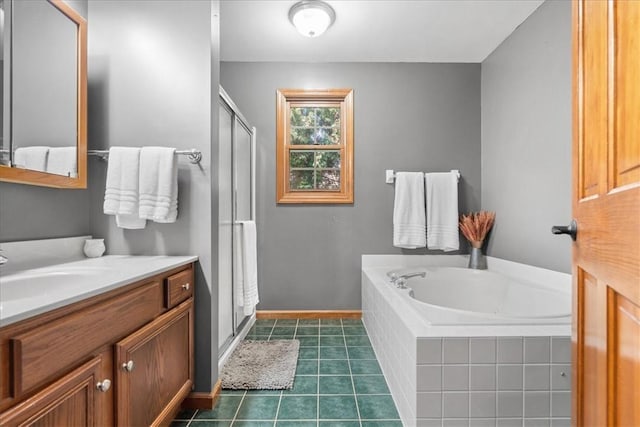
(238, 321)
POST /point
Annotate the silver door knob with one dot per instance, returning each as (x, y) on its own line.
(128, 366)
(186, 286)
(104, 385)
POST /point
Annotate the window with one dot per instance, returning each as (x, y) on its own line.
(314, 140)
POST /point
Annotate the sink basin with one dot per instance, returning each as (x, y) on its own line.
(45, 281)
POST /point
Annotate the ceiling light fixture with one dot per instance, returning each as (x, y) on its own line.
(311, 17)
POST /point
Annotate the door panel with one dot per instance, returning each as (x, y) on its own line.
(606, 206)
(72, 401)
(595, 91)
(625, 360)
(242, 172)
(626, 146)
(159, 357)
(594, 360)
(243, 188)
(225, 230)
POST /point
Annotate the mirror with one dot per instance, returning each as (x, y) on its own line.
(43, 46)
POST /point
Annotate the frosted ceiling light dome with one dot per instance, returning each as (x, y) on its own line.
(311, 17)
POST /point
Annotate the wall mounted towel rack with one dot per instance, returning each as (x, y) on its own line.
(194, 155)
(390, 175)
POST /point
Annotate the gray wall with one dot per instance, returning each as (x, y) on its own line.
(412, 117)
(153, 80)
(526, 139)
(28, 212)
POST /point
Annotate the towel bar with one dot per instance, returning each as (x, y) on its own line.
(390, 175)
(194, 155)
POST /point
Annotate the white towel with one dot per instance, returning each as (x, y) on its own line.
(248, 279)
(408, 211)
(442, 211)
(121, 192)
(62, 161)
(34, 158)
(158, 184)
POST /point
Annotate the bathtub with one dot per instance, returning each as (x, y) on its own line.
(468, 347)
(454, 295)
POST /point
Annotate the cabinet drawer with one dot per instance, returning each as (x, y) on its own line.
(48, 351)
(179, 287)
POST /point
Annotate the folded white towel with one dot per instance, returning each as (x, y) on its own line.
(34, 158)
(158, 184)
(238, 262)
(249, 277)
(408, 211)
(121, 193)
(442, 211)
(63, 161)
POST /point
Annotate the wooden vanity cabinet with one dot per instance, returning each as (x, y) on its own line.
(122, 358)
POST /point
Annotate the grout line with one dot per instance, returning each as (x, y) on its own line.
(275, 419)
(353, 385)
(271, 332)
(238, 410)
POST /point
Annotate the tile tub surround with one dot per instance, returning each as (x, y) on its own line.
(471, 375)
(338, 382)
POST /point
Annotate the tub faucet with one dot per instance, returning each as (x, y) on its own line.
(410, 275)
(401, 281)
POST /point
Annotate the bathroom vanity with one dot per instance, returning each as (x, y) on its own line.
(118, 351)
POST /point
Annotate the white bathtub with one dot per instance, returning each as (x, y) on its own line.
(453, 295)
(446, 343)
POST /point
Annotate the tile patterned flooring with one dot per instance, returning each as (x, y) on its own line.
(338, 383)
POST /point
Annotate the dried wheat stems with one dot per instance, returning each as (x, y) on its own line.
(476, 225)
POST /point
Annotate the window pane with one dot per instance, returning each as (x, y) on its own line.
(326, 136)
(315, 136)
(327, 159)
(302, 136)
(303, 116)
(328, 180)
(328, 116)
(301, 159)
(301, 180)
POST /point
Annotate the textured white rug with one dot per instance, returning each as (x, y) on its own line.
(261, 365)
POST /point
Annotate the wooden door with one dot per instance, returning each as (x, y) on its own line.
(606, 206)
(72, 401)
(155, 370)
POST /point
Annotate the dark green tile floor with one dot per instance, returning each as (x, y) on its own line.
(338, 383)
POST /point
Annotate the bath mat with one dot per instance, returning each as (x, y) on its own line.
(261, 365)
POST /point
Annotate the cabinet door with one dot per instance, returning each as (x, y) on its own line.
(155, 369)
(73, 400)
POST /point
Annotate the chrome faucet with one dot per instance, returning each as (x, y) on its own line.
(401, 281)
(3, 259)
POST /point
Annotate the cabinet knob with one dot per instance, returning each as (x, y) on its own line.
(104, 385)
(128, 366)
(186, 286)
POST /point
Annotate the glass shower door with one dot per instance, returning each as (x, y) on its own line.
(226, 329)
(242, 188)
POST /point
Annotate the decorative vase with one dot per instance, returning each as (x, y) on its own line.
(94, 248)
(477, 259)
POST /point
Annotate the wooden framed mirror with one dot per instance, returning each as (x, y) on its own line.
(44, 126)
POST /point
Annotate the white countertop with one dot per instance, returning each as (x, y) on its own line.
(38, 290)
